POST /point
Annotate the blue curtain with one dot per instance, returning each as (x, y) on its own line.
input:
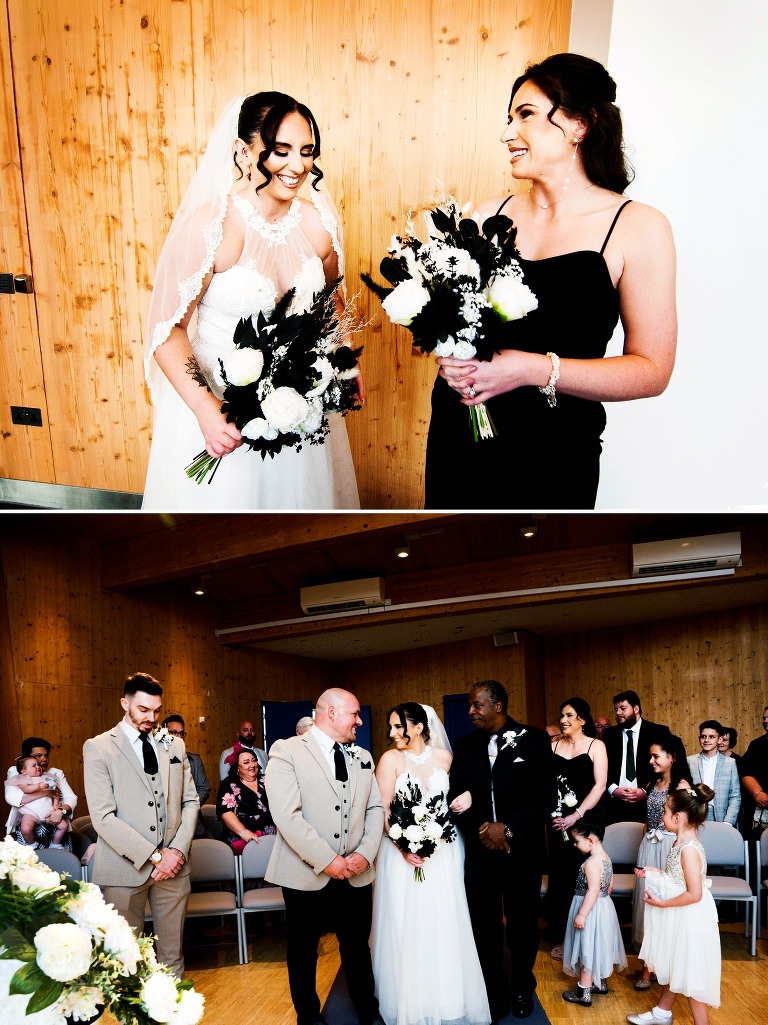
(455, 718)
(364, 731)
(280, 718)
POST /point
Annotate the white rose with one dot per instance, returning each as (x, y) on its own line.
(259, 428)
(406, 301)
(29, 877)
(414, 834)
(464, 350)
(420, 811)
(510, 297)
(396, 831)
(90, 910)
(63, 951)
(189, 1009)
(160, 996)
(81, 1002)
(285, 408)
(433, 830)
(324, 374)
(570, 800)
(452, 262)
(445, 348)
(312, 423)
(243, 366)
(120, 941)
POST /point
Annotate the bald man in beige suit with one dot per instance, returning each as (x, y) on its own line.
(143, 806)
(327, 808)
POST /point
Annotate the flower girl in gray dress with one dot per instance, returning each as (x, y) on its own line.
(593, 943)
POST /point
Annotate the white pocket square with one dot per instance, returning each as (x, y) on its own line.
(519, 759)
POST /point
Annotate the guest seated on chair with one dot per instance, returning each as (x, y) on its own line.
(31, 824)
(40, 749)
(241, 803)
(176, 727)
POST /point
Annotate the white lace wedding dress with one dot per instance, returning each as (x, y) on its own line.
(424, 958)
(275, 258)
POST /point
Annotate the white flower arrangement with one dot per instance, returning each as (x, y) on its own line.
(164, 737)
(511, 738)
(65, 954)
(418, 825)
(565, 798)
(352, 750)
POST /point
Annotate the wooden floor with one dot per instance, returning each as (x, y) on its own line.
(257, 993)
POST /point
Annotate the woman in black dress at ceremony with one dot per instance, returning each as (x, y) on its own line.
(592, 258)
(582, 773)
(242, 804)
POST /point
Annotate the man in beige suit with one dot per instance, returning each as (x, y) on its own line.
(329, 816)
(143, 806)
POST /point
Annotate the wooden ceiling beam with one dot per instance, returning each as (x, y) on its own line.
(208, 544)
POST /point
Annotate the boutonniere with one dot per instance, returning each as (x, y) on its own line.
(162, 736)
(511, 738)
(352, 750)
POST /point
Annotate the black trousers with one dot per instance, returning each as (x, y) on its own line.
(503, 886)
(342, 909)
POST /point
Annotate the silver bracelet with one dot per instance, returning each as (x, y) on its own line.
(554, 377)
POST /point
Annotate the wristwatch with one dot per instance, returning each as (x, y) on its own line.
(155, 857)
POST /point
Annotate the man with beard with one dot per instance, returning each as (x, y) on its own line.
(144, 808)
(628, 745)
(508, 768)
(246, 737)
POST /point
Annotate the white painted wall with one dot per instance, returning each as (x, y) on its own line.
(692, 83)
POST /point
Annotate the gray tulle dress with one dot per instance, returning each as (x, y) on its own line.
(598, 946)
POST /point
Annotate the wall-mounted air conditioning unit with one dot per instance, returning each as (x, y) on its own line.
(347, 596)
(687, 554)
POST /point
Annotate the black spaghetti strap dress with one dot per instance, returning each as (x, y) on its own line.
(542, 457)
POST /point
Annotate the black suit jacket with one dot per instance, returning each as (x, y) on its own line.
(523, 787)
(650, 732)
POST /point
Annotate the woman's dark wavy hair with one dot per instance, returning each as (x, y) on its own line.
(262, 114)
(409, 712)
(693, 802)
(673, 745)
(582, 709)
(584, 91)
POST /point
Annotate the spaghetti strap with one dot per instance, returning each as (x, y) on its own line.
(613, 225)
(503, 205)
(590, 746)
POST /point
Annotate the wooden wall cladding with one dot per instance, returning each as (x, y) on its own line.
(684, 671)
(72, 645)
(115, 101)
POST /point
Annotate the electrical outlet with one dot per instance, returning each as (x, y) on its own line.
(30, 416)
(6, 284)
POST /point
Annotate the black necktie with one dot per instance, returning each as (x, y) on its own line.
(150, 758)
(631, 772)
(341, 765)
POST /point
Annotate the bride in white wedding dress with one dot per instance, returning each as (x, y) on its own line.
(424, 958)
(241, 239)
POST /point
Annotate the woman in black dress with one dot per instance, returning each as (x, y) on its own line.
(242, 805)
(582, 770)
(592, 258)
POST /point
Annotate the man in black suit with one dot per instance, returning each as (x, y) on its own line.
(508, 770)
(628, 745)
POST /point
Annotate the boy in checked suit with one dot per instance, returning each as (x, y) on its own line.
(144, 808)
(326, 805)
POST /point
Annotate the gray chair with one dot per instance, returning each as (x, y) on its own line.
(61, 861)
(725, 846)
(761, 862)
(212, 824)
(253, 865)
(621, 844)
(212, 861)
(82, 824)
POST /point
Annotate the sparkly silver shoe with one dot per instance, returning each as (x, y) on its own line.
(581, 995)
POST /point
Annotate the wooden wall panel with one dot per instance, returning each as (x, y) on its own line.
(72, 644)
(116, 99)
(25, 451)
(684, 671)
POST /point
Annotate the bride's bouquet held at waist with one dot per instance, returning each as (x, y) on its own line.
(286, 373)
(460, 292)
(418, 824)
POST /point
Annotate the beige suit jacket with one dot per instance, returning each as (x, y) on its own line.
(316, 817)
(124, 811)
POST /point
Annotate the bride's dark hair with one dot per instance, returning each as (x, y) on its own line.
(262, 114)
(409, 712)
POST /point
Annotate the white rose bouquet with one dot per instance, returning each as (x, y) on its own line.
(565, 799)
(418, 825)
(66, 955)
(286, 373)
(461, 293)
